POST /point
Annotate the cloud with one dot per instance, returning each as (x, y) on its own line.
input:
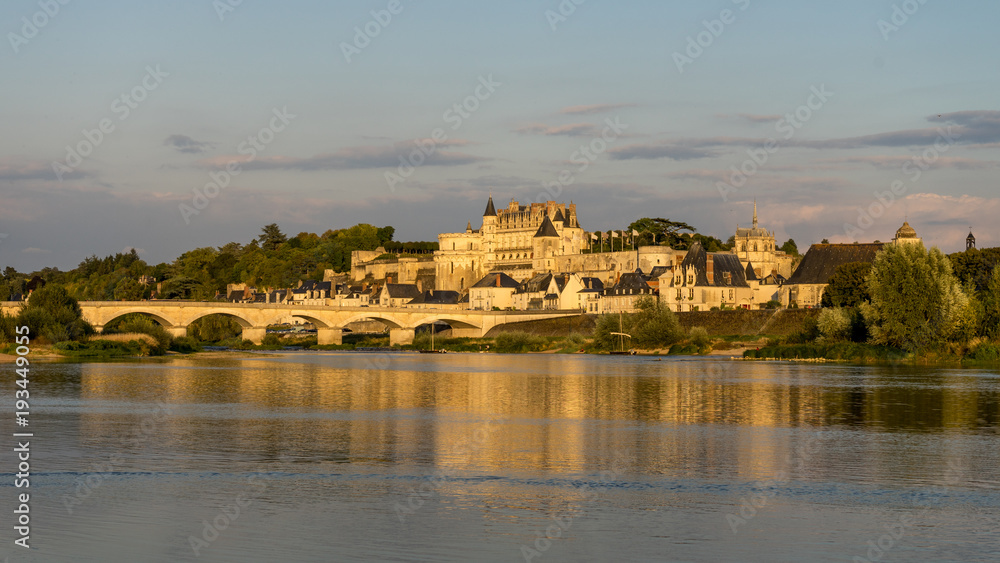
(17, 169)
(33, 250)
(658, 151)
(895, 162)
(753, 118)
(592, 109)
(965, 127)
(186, 145)
(352, 158)
(570, 130)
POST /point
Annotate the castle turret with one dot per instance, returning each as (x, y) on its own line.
(970, 241)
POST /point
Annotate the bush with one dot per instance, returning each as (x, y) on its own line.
(142, 324)
(834, 324)
(185, 345)
(700, 339)
(514, 342)
(272, 339)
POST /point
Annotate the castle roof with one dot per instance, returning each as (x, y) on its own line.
(906, 231)
(559, 218)
(490, 210)
(547, 229)
(822, 260)
(751, 275)
(722, 263)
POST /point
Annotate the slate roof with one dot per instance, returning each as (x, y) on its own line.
(546, 229)
(536, 284)
(822, 260)
(490, 210)
(722, 263)
(402, 290)
(592, 284)
(435, 297)
(559, 218)
(750, 274)
(490, 280)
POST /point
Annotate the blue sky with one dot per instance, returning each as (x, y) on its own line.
(555, 84)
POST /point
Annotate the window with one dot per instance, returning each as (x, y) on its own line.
(743, 248)
(691, 294)
(679, 296)
(732, 294)
(453, 246)
(690, 278)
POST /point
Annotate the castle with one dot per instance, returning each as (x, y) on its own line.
(520, 241)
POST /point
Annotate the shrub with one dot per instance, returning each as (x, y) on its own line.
(53, 315)
(185, 345)
(834, 324)
(514, 342)
(272, 339)
(700, 339)
(142, 324)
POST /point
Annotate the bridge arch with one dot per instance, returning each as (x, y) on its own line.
(445, 318)
(103, 320)
(387, 320)
(243, 322)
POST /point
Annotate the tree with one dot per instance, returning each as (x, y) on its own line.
(848, 286)
(825, 241)
(271, 237)
(664, 231)
(790, 248)
(991, 306)
(834, 324)
(653, 325)
(916, 301)
(53, 314)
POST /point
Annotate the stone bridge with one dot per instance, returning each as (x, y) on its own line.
(176, 316)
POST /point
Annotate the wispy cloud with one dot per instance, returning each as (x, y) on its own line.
(186, 145)
(34, 250)
(16, 169)
(356, 158)
(753, 118)
(967, 127)
(895, 161)
(658, 151)
(570, 130)
(592, 109)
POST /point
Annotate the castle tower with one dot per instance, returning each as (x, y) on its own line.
(756, 246)
(544, 246)
(970, 241)
(906, 235)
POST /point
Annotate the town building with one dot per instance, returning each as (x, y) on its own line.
(494, 291)
(706, 281)
(806, 286)
(628, 289)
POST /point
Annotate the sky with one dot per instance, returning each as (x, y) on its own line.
(169, 126)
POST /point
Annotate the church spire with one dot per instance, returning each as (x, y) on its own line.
(755, 213)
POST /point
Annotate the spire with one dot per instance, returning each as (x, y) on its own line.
(755, 213)
(546, 229)
(490, 210)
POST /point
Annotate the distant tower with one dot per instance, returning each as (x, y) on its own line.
(906, 235)
(970, 241)
(755, 213)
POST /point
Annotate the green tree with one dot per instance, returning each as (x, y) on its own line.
(834, 324)
(848, 286)
(664, 231)
(790, 248)
(916, 301)
(54, 315)
(653, 325)
(128, 289)
(271, 237)
(991, 306)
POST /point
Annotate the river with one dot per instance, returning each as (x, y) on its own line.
(488, 457)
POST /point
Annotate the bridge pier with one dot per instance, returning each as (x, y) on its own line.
(255, 335)
(401, 336)
(327, 336)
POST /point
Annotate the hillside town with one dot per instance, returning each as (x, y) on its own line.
(539, 257)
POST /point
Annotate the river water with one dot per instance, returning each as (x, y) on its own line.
(484, 457)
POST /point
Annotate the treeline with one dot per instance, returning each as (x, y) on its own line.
(270, 260)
